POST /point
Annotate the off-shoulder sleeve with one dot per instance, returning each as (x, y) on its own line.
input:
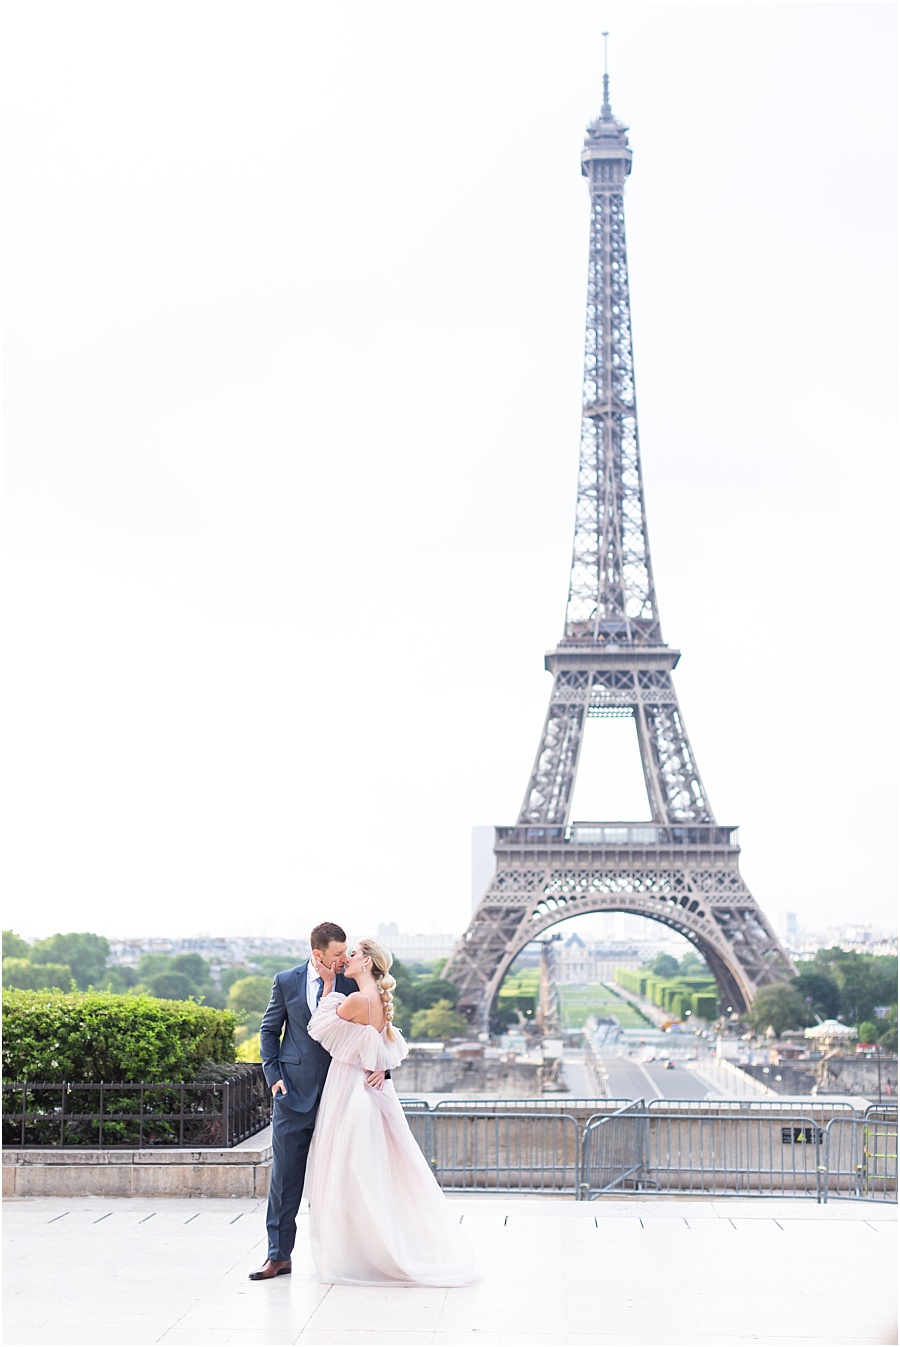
(358, 1044)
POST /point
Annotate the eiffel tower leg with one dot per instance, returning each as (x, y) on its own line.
(549, 792)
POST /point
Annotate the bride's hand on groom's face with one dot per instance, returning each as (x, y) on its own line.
(327, 972)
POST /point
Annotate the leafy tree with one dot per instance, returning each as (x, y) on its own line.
(14, 947)
(438, 1021)
(270, 964)
(693, 966)
(867, 1031)
(33, 976)
(865, 981)
(118, 978)
(427, 991)
(888, 1035)
(86, 955)
(404, 979)
(152, 964)
(230, 976)
(193, 967)
(780, 1006)
(249, 995)
(171, 987)
(820, 994)
(502, 1018)
(664, 966)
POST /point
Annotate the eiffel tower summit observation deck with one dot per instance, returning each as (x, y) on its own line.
(681, 866)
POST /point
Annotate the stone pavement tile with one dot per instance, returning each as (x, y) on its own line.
(250, 1337)
(461, 1338)
(92, 1337)
(855, 1314)
(207, 1337)
(317, 1337)
(328, 1317)
(512, 1318)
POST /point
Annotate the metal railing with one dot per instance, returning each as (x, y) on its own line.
(714, 1147)
(777, 1107)
(525, 1152)
(860, 1158)
(612, 1150)
(617, 834)
(136, 1115)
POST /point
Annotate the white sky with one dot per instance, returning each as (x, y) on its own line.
(294, 307)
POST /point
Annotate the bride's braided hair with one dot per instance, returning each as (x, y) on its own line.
(381, 962)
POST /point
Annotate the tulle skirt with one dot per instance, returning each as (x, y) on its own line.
(377, 1215)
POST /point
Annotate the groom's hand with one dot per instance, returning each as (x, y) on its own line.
(375, 1079)
(279, 1085)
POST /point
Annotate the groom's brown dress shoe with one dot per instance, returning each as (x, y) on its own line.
(270, 1269)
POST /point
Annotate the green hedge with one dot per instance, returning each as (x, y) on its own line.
(676, 995)
(98, 1036)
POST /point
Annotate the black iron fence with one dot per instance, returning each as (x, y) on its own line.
(138, 1115)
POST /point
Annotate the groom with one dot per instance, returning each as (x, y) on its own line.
(295, 1067)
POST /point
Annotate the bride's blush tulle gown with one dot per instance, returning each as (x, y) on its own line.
(377, 1215)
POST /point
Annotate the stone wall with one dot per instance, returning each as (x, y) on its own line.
(239, 1171)
(857, 1075)
(426, 1072)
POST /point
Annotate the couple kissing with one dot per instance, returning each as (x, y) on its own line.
(339, 1135)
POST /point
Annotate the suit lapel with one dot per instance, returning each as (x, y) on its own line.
(302, 974)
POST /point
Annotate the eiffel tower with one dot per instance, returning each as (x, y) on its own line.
(681, 867)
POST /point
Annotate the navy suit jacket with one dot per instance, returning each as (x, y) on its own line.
(291, 1055)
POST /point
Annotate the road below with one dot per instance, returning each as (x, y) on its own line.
(628, 1079)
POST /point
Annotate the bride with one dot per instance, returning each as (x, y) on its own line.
(377, 1215)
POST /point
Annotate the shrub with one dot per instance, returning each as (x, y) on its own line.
(98, 1036)
(32, 976)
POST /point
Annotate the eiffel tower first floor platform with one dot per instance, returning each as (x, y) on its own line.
(683, 875)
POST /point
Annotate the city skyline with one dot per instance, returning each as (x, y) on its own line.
(308, 419)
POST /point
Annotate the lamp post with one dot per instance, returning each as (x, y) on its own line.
(878, 1060)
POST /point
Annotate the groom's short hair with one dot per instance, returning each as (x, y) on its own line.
(321, 936)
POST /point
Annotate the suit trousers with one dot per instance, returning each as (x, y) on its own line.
(291, 1137)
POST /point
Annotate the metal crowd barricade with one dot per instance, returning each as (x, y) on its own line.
(757, 1154)
(512, 1151)
(860, 1159)
(544, 1104)
(613, 1150)
(715, 1147)
(775, 1107)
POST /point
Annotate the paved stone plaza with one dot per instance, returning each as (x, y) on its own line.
(93, 1271)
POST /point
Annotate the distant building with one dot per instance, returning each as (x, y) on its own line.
(219, 951)
(864, 939)
(593, 962)
(482, 861)
(421, 948)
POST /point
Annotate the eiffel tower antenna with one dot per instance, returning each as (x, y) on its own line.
(606, 110)
(681, 867)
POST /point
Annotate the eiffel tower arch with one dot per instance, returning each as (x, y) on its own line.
(680, 867)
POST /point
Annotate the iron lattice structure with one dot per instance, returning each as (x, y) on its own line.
(681, 867)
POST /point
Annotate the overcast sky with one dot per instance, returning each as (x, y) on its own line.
(294, 311)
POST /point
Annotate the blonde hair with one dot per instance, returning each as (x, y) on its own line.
(381, 962)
